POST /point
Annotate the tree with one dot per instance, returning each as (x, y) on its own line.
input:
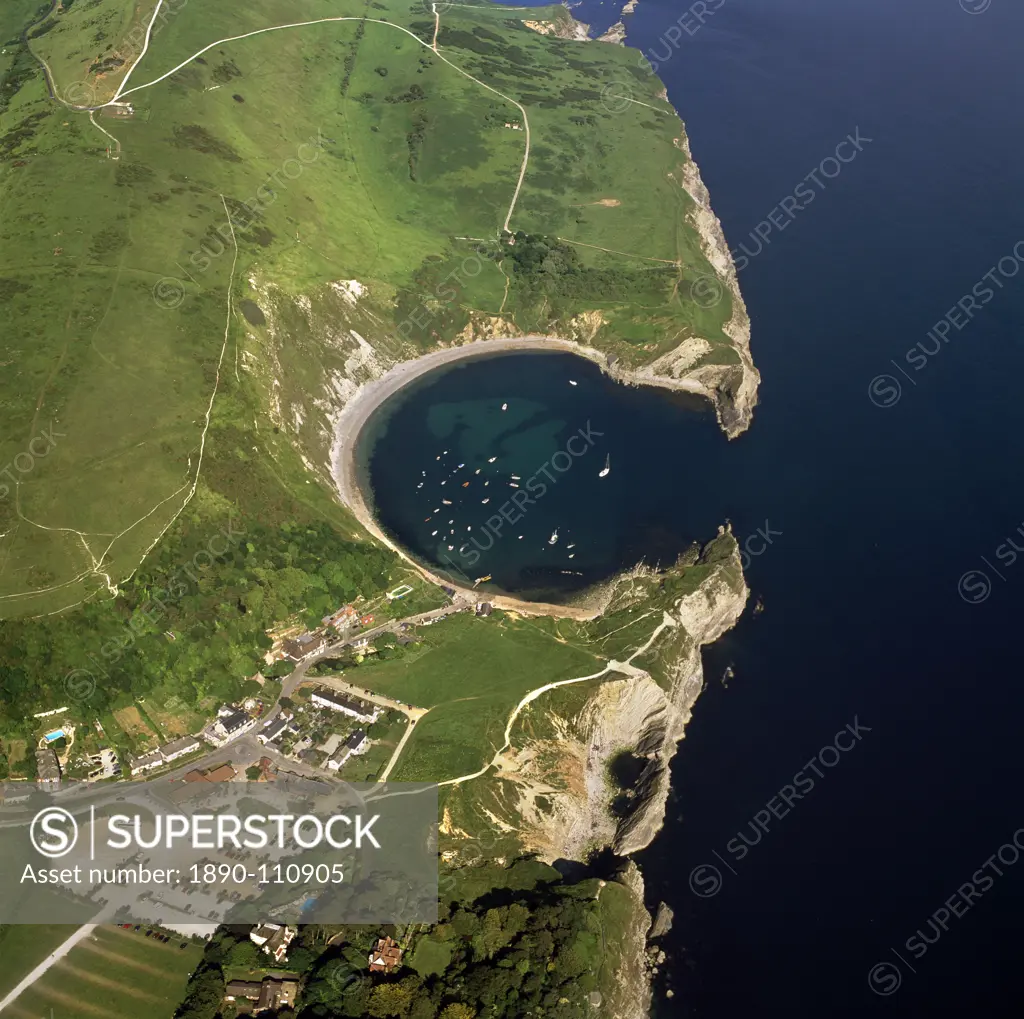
(204, 997)
(457, 1010)
(300, 959)
(245, 954)
(389, 1000)
(253, 773)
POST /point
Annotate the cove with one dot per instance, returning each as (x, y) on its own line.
(473, 490)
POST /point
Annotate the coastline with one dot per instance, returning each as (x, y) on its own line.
(372, 394)
(632, 710)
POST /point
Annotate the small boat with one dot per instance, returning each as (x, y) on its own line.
(450, 547)
(573, 545)
(469, 528)
(572, 555)
(504, 406)
(515, 477)
(465, 484)
(432, 533)
(486, 483)
(459, 468)
(492, 459)
(607, 466)
(420, 485)
(437, 458)
(484, 502)
(572, 383)
(477, 471)
(512, 484)
(444, 482)
(520, 537)
(481, 580)
(426, 519)
(438, 510)
(446, 502)
(451, 521)
(554, 537)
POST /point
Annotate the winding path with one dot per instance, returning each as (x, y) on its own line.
(613, 666)
(122, 91)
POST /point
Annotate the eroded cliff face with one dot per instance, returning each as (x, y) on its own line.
(735, 388)
(559, 791)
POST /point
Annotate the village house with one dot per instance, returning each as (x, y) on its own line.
(361, 710)
(386, 956)
(197, 782)
(355, 744)
(240, 990)
(345, 616)
(273, 939)
(230, 723)
(276, 994)
(304, 646)
(145, 762)
(272, 729)
(165, 754)
(270, 995)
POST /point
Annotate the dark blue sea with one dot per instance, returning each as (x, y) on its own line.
(814, 873)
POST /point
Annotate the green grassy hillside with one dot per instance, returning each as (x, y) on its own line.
(346, 149)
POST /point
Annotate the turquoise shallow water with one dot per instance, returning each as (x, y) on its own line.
(497, 485)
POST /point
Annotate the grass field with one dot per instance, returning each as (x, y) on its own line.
(23, 947)
(114, 973)
(471, 674)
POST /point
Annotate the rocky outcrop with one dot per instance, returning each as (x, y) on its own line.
(735, 388)
(616, 34)
(563, 791)
(703, 617)
(564, 26)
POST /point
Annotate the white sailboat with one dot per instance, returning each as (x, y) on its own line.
(554, 537)
(607, 466)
